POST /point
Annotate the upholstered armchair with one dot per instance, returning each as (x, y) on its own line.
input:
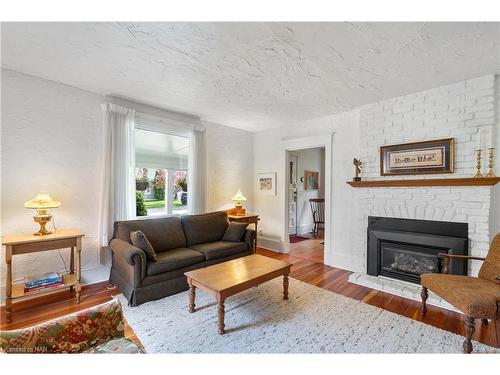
(98, 329)
(476, 297)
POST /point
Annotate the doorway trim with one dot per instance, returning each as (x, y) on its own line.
(291, 159)
(322, 140)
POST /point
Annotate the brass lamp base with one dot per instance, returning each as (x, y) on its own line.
(42, 220)
(239, 210)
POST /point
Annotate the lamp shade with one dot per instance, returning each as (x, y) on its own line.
(42, 201)
(239, 197)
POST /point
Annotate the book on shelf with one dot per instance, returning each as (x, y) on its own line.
(42, 287)
(44, 284)
(43, 279)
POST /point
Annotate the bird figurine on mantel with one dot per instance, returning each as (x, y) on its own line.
(358, 164)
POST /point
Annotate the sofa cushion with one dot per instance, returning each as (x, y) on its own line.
(204, 228)
(235, 231)
(172, 260)
(140, 240)
(164, 233)
(220, 249)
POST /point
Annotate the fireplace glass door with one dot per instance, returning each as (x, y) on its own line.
(408, 262)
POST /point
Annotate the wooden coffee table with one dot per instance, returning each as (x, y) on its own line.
(229, 278)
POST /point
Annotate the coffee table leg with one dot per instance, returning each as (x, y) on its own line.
(285, 286)
(192, 295)
(221, 313)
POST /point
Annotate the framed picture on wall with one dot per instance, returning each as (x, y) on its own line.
(311, 180)
(425, 157)
(266, 183)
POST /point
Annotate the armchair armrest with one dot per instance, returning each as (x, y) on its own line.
(460, 256)
(132, 255)
(448, 257)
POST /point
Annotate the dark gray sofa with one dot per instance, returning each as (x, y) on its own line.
(182, 243)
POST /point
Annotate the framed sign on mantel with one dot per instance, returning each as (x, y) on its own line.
(436, 156)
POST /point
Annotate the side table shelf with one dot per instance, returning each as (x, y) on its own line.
(18, 289)
(26, 243)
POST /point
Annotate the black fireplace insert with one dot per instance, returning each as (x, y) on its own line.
(406, 248)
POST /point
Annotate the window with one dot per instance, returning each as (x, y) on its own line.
(161, 161)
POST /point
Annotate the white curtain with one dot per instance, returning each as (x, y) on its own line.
(118, 173)
(197, 171)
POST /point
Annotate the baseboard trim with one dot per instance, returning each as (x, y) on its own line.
(304, 229)
(270, 244)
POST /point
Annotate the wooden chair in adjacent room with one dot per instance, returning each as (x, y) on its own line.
(476, 297)
(318, 213)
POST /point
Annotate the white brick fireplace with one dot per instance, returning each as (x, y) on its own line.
(454, 111)
(457, 204)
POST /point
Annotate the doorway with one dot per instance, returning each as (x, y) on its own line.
(306, 202)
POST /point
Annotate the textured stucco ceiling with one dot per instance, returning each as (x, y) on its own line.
(253, 76)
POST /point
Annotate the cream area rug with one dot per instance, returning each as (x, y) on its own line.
(258, 320)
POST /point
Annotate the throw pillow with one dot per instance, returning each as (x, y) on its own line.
(235, 231)
(140, 240)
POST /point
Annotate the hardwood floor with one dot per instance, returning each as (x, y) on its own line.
(306, 268)
(311, 249)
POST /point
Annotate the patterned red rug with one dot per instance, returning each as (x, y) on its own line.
(295, 239)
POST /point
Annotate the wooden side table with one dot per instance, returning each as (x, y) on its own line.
(26, 243)
(247, 218)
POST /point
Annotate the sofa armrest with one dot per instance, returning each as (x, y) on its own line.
(130, 254)
(249, 238)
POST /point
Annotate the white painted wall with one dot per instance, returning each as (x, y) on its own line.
(51, 139)
(229, 166)
(267, 158)
(312, 159)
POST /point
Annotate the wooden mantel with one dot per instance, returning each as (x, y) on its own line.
(467, 181)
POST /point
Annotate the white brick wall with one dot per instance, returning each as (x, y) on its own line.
(453, 111)
(456, 111)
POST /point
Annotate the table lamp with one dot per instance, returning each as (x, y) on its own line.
(41, 203)
(238, 199)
